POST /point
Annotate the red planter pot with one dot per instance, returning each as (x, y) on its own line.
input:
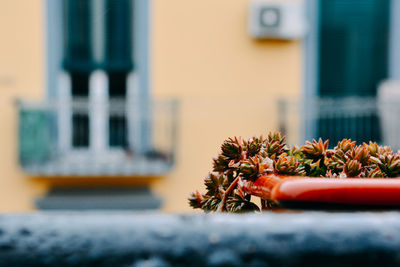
(304, 192)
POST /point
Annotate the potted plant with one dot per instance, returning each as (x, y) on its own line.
(312, 174)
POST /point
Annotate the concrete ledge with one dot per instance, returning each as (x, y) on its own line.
(149, 239)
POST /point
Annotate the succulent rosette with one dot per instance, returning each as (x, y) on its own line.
(246, 160)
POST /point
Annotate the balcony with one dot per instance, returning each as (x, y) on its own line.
(88, 138)
(358, 118)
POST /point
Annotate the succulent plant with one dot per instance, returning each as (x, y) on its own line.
(213, 183)
(388, 163)
(315, 150)
(359, 153)
(232, 148)
(345, 145)
(276, 136)
(275, 144)
(240, 203)
(336, 162)
(372, 147)
(246, 160)
(196, 200)
(352, 168)
(287, 165)
(376, 173)
(253, 145)
(220, 163)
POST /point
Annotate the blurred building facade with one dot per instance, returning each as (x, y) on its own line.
(351, 74)
(122, 104)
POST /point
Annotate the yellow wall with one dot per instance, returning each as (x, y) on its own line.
(21, 75)
(227, 83)
(201, 53)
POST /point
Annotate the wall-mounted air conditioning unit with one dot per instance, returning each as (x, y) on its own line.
(277, 19)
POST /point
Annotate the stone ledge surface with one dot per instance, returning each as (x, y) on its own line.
(155, 239)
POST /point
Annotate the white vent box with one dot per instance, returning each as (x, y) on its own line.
(277, 19)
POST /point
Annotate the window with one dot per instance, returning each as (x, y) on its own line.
(98, 55)
(353, 60)
(97, 36)
(98, 118)
(354, 43)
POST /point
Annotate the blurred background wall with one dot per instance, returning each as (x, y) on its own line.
(22, 57)
(200, 54)
(227, 82)
(95, 126)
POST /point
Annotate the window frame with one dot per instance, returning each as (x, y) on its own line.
(140, 54)
(310, 52)
(54, 45)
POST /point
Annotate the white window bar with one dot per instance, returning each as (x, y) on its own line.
(134, 113)
(64, 110)
(98, 112)
(388, 108)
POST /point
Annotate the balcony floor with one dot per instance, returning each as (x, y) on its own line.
(110, 163)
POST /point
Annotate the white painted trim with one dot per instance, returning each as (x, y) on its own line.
(310, 68)
(142, 58)
(141, 45)
(98, 32)
(98, 113)
(310, 50)
(64, 110)
(53, 45)
(133, 113)
(394, 40)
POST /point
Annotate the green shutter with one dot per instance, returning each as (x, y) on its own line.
(353, 46)
(77, 36)
(119, 35)
(353, 59)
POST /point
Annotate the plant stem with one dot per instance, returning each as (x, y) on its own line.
(227, 192)
(263, 204)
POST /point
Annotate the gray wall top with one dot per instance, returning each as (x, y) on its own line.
(154, 239)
